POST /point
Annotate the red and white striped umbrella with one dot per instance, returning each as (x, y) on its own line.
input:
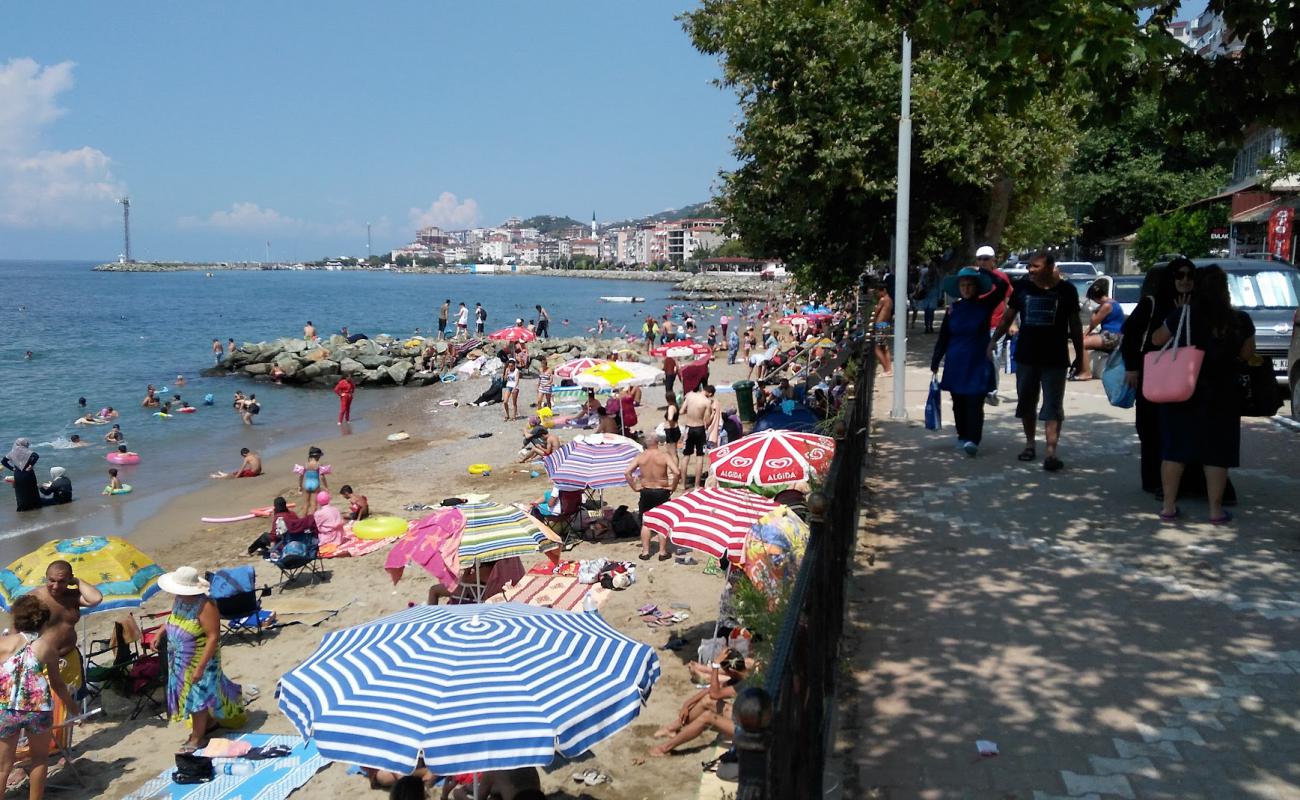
(772, 460)
(513, 334)
(795, 320)
(570, 369)
(713, 521)
(682, 349)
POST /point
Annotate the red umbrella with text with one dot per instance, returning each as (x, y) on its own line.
(513, 334)
(772, 460)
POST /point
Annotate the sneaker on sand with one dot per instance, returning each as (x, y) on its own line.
(971, 449)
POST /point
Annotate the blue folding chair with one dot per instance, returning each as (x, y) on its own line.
(239, 602)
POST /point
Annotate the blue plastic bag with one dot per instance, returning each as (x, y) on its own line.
(1118, 392)
(933, 414)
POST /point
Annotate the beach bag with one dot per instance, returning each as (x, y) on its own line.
(1259, 393)
(624, 523)
(193, 769)
(1169, 374)
(711, 649)
(933, 414)
(1118, 392)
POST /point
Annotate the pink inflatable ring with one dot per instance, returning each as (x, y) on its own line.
(123, 458)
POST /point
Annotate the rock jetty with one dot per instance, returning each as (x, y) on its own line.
(724, 286)
(384, 360)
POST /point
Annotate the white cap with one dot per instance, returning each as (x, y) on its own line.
(985, 251)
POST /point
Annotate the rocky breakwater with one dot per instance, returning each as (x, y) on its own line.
(727, 286)
(386, 361)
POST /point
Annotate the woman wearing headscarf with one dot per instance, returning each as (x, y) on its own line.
(1161, 294)
(22, 462)
(963, 347)
(1206, 428)
(1164, 290)
(59, 490)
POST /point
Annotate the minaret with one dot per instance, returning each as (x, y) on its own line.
(593, 224)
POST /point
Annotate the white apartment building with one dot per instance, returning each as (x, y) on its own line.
(528, 252)
(497, 249)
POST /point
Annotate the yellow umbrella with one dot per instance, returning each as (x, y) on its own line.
(615, 374)
(126, 576)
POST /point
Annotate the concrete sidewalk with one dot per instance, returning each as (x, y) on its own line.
(1106, 653)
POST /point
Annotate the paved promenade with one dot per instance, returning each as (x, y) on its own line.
(1107, 654)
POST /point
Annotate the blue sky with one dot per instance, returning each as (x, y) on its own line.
(297, 122)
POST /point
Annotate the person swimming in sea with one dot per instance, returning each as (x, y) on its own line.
(311, 478)
(75, 441)
(114, 484)
(115, 435)
(150, 398)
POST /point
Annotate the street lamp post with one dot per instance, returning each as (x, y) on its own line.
(367, 242)
(899, 409)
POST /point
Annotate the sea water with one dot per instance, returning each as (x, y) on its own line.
(105, 335)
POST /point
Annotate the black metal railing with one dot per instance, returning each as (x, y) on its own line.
(783, 728)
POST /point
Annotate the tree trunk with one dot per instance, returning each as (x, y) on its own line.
(999, 207)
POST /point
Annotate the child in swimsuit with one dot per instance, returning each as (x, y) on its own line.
(311, 478)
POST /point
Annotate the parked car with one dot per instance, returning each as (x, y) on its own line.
(1269, 291)
(1293, 363)
(1127, 291)
(1071, 269)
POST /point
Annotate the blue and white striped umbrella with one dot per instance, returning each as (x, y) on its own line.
(585, 465)
(469, 687)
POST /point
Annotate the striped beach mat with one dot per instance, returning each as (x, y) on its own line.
(271, 779)
(560, 592)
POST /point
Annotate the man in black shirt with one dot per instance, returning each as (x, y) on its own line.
(1048, 309)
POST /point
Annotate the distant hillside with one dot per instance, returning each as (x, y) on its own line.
(547, 224)
(705, 209)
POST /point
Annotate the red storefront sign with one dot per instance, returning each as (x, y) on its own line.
(1280, 224)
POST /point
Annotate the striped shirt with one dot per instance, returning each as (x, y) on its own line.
(544, 382)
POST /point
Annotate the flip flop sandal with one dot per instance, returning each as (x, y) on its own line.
(581, 777)
(595, 778)
(680, 616)
(663, 556)
(1053, 464)
(1171, 517)
(643, 556)
(1027, 454)
(648, 608)
(1223, 520)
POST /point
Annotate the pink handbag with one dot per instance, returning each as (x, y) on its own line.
(1169, 374)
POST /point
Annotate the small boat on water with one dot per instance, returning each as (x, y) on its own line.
(622, 299)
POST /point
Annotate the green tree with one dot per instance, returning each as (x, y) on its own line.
(1182, 231)
(818, 84)
(1143, 162)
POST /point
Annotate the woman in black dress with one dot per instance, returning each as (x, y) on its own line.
(1206, 428)
(22, 461)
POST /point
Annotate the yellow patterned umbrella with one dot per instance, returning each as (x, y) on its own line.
(126, 576)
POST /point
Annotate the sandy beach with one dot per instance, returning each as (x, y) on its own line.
(118, 755)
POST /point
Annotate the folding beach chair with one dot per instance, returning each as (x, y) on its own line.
(300, 553)
(239, 602)
(481, 581)
(62, 755)
(136, 670)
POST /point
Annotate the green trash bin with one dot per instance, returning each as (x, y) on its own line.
(745, 400)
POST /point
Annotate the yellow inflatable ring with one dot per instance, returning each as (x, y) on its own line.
(479, 469)
(379, 528)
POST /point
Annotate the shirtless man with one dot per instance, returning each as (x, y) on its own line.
(309, 332)
(656, 482)
(250, 467)
(150, 398)
(65, 595)
(696, 414)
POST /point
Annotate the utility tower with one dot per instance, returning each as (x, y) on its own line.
(126, 228)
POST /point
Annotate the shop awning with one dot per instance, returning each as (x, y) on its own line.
(1259, 213)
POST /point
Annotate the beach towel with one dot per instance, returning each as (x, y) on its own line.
(560, 592)
(270, 779)
(351, 546)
